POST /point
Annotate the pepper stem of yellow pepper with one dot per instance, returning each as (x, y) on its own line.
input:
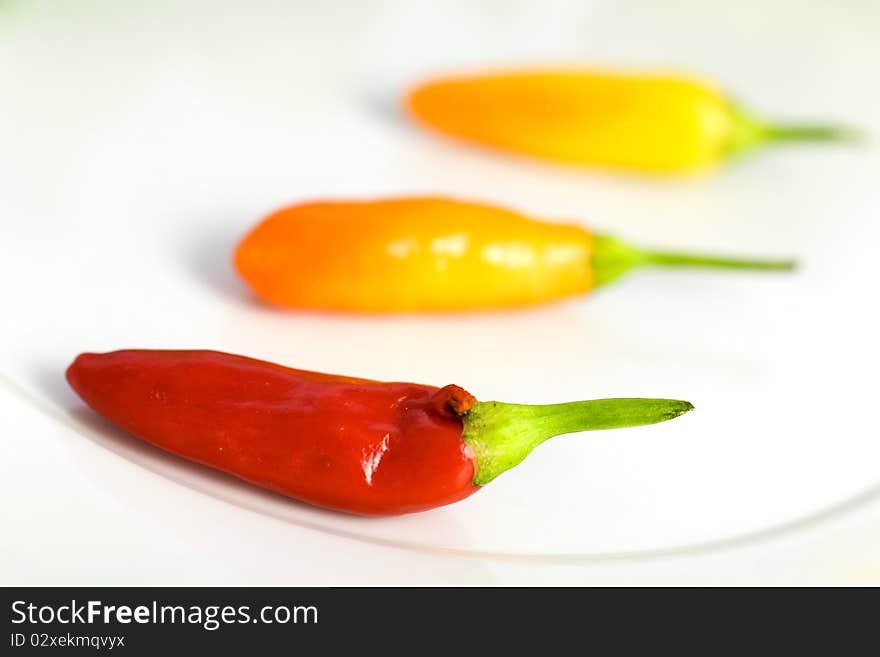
(611, 258)
(501, 435)
(748, 131)
(809, 132)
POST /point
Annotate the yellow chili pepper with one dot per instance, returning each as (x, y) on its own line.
(645, 122)
(434, 254)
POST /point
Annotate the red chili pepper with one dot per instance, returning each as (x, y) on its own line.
(348, 444)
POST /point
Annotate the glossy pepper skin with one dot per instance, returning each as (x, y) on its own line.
(430, 254)
(643, 122)
(336, 442)
(342, 443)
(411, 254)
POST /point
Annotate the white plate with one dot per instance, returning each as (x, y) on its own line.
(141, 144)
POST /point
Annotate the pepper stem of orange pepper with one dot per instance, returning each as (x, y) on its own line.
(611, 258)
(748, 131)
(502, 435)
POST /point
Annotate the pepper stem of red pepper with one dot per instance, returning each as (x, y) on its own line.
(748, 131)
(611, 258)
(501, 435)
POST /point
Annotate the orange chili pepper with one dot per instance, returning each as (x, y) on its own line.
(434, 254)
(644, 122)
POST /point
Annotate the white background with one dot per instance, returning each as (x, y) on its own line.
(138, 141)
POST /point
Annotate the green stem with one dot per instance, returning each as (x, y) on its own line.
(674, 259)
(748, 131)
(806, 132)
(502, 435)
(611, 258)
